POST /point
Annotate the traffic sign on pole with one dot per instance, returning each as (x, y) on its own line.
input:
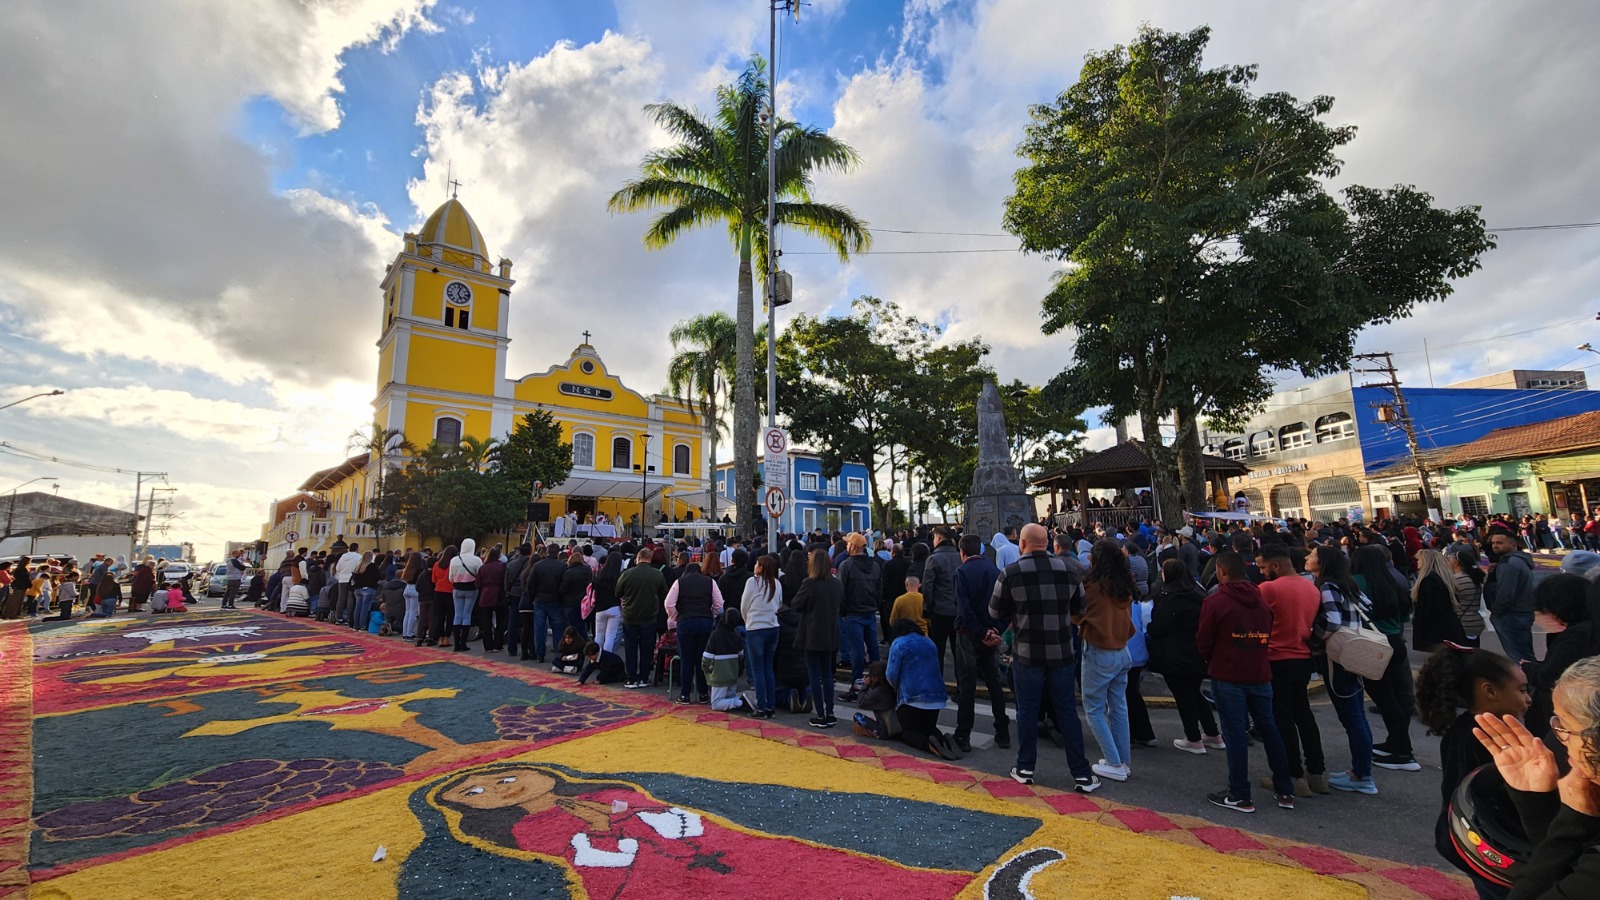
(292, 536)
(777, 502)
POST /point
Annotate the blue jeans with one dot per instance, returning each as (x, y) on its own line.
(761, 652)
(819, 669)
(364, 598)
(856, 632)
(638, 652)
(1344, 692)
(1238, 705)
(1515, 631)
(547, 618)
(1030, 683)
(693, 633)
(1104, 675)
(466, 602)
(575, 620)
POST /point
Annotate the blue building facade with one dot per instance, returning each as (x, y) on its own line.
(840, 503)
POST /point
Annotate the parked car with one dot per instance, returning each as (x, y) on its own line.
(217, 582)
(177, 571)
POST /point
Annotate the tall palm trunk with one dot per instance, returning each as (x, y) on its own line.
(711, 440)
(744, 393)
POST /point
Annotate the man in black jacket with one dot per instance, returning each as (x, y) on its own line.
(894, 583)
(542, 595)
(862, 576)
(939, 589)
(977, 645)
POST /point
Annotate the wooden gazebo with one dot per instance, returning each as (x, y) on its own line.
(1124, 468)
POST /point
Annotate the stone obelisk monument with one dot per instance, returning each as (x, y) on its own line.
(998, 496)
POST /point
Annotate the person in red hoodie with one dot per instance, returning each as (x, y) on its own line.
(1235, 624)
(1294, 602)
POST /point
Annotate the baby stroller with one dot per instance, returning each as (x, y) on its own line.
(666, 660)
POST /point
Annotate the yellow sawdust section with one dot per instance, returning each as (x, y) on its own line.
(1100, 861)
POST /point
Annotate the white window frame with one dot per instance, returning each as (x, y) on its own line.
(855, 487)
(627, 440)
(857, 520)
(808, 477)
(577, 462)
(1337, 431)
(461, 428)
(1482, 510)
(808, 516)
(1294, 439)
(688, 457)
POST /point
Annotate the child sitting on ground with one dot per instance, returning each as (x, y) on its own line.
(721, 662)
(174, 592)
(877, 701)
(569, 653)
(909, 604)
(603, 666)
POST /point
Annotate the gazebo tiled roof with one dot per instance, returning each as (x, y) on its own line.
(1128, 458)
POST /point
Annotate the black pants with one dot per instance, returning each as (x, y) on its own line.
(974, 660)
(443, 613)
(917, 725)
(484, 617)
(425, 627)
(1139, 728)
(942, 629)
(1291, 710)
(1192, 708)
(1395, 698)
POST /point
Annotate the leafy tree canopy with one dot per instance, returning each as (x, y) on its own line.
(534, 451)
(1202, 248)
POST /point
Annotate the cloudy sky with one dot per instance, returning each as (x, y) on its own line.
(200, 197)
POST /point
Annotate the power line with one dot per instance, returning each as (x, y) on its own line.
(900, 252)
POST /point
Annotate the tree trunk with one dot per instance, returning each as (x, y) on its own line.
(1163, 469)
(1191, 463)
(744, 395)
(711, 414)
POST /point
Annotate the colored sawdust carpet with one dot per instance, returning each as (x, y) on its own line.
(247, 755)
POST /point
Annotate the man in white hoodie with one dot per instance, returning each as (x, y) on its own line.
(343, 575)
(1005, 552)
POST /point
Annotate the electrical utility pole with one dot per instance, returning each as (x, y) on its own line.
(138, 494)
(150, 513)
(1396, 413)
(773, 276)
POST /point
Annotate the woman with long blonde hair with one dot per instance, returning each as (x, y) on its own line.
(1434, 618)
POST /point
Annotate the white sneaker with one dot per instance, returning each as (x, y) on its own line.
(1115, 773)
(1188, 746)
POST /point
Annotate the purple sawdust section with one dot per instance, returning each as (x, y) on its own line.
(553, 720)
(252, 786)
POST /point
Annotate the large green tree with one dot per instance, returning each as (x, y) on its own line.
(1202, 247)
(716, 174)
(533, 452)
(874, 387)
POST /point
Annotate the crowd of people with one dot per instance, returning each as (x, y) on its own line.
(52, 587)
(1238, 621)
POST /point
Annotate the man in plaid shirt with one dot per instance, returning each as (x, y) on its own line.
(1037, 595)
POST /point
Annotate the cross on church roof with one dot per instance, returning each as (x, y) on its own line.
(454, 185)
(586, 337)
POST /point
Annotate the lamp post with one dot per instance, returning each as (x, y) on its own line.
(54, 393)
(644, 474)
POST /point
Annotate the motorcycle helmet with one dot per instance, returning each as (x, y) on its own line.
(1485, 828)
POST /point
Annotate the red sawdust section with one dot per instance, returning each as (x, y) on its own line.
(16, 756)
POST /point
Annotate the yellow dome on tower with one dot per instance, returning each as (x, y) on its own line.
(452, 229)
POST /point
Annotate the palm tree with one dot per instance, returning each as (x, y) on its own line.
(380, 443)
(701, 366)
(477, 451)
(717, 173)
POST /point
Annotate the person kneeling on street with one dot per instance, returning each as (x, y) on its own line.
(919, 686)
(603, 666)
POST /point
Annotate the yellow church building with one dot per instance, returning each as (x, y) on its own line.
(442, 342)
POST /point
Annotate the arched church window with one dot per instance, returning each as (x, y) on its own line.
(583, 450)
(621, 454)
(447, 431)
(680, 459)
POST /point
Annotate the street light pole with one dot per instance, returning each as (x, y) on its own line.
(772, 215)
(644, 475)
(55, 393)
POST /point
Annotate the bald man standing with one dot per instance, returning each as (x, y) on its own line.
(1038, 595)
